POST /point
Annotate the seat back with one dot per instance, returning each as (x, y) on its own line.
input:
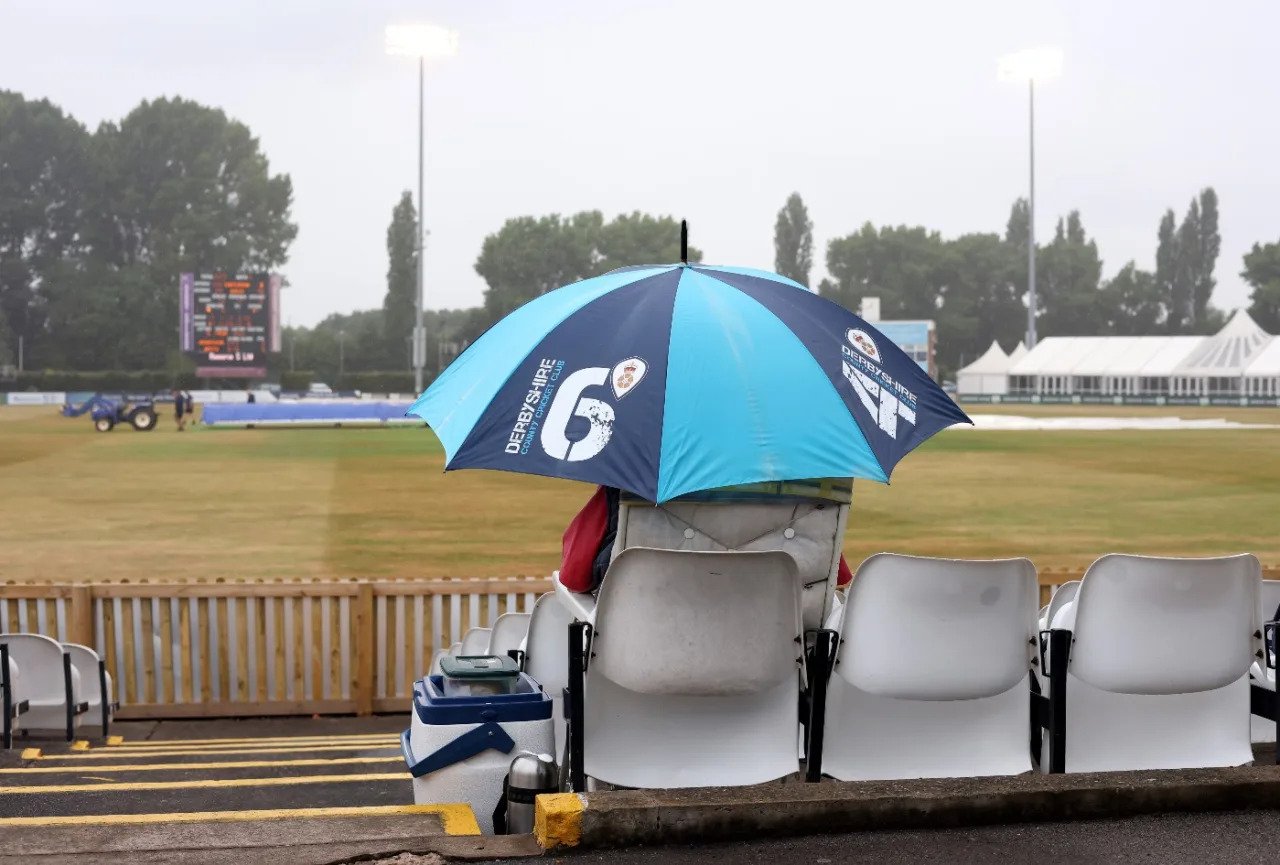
(1148, 625)
(938, 629)
(698, 623)
(810, 530)
(475, 642)
(85, 661)
(1064, 594)
(1270, 595)
(509, 631)
(40, 660)
(547, 645)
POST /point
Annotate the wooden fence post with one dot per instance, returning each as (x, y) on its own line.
(362, 687)
(80, 616)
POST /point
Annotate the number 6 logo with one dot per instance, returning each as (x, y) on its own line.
(570, 403)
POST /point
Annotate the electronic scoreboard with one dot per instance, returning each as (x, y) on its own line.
(230, 322)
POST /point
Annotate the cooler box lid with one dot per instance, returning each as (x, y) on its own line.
(526, 702)
(479, 667)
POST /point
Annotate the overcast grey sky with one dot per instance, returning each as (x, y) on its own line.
(711, 110)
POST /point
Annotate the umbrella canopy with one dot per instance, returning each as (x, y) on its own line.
(670, 379)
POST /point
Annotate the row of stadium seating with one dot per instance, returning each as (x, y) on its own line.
(50, 687)
(930, 668)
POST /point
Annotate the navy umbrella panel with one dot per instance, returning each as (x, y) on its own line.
(671, 379)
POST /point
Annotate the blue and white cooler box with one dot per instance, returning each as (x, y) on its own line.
(463, 736)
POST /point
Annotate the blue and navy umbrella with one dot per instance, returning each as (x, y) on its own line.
(671, 379)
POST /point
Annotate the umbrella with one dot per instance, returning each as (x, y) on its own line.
(670, 379)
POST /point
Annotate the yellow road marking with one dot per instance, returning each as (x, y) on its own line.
(212, 749)
(457, 819)
(117, 754)
(172, 767)
(113, 741)
(165, 743)
(134, 786)
(31, 753)
(80, 745)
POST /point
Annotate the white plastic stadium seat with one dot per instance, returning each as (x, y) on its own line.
(14, 699)
(1064, 594)
(1158, 670)
(475, 642)
(805, 519)
(509, 631)
(932, 677)
(694, 675)
(93, 679)
(1261, 729)
(546, 657)
(50, 683)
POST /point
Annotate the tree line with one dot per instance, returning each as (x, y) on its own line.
(974, 286)
(96, 225)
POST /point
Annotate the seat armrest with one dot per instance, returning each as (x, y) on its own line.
(581, 604)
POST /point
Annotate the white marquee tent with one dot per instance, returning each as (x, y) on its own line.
(1241, 359)
(1262, 377)
(987, 375)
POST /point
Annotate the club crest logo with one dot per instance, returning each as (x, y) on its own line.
(860, 340)
(627, 375)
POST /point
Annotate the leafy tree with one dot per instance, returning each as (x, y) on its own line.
(1262, 271)
(43, 172)
(1208, 244)
(400, 305)
(1166, 271)
(178, 186)
(793, 240)
(530, 256)
(901, 265)
(108, 317)
(1185, 260)
(1068, 271)
(7, 349)
(1133, 303)
(1184, 270)
(187, 188)
(1017, 229)
(979, 301)
(638, 238)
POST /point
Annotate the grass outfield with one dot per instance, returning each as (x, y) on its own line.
(339, 503)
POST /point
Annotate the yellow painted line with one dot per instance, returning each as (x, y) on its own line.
(203, 783)
(557, 820)
(117, 754)
(114, 741)
(31, 753)
(165, 743)
(457, 819)
(177, 767)
(211, 749)
(80, 745)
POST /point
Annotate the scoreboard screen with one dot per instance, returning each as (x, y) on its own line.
(230, 322)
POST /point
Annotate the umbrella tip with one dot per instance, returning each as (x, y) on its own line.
(684, 241)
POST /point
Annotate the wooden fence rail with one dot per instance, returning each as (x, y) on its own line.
(288, 648)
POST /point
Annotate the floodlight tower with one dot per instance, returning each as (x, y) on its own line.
(426, 42)
(1031, 65)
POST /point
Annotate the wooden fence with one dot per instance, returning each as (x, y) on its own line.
(228, 649)
(201, 650)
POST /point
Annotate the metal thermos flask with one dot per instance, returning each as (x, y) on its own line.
(530, 774)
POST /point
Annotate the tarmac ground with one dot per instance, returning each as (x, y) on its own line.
(1230, 837)
(289, 791)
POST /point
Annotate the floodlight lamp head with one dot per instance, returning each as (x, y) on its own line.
(428, 41)
(1031, 64)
